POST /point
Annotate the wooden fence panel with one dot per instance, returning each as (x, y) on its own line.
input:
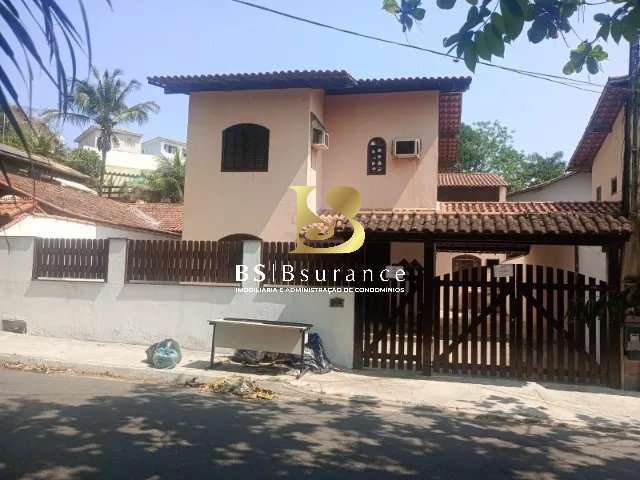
(71, 258)
(175, 261)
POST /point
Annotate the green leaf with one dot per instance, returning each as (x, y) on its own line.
(569, 68)
(482, 46)
(513, 25)
(470, 58)
(448, 41)
(592, 65)
(599, 54)
(446, 4)
(538, 31)
(602, 18)
(603, 31)
(390, 6)
(498, 22)
(494, 40)
(630, 24)
(616, 30)
(514, 7)
(419, 13)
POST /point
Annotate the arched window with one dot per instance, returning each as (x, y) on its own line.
(465, 262)
(377, 156)
(245, 148)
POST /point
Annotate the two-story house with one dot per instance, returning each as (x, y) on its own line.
(165, 147)
(251, 137)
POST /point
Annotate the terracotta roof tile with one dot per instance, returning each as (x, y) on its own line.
(169, 215)
(70, 202)
(501, 218)
(10, 208)
(471, 180)
(611, 101)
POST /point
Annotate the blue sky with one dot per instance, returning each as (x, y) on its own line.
(164, 37)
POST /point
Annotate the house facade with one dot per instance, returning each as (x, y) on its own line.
(164, 146)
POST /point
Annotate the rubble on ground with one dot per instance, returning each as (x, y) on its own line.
(238, 386)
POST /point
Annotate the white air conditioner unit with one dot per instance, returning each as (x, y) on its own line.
(406, 148)
(319, 139)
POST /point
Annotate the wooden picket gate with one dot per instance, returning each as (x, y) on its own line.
(515, 327)
(520, 326)
(391, 325)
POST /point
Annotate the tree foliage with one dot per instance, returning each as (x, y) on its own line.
(40, 138)
(488, 147)
(103, 102)
(166, 183)
(85, 161)
(491, 25)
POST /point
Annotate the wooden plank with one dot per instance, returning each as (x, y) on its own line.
(529, 320)
(455, 319)
(539, 325)
(411, 325)
(561, 316)
(476, 272)
(580, 328)
(604, 342)
(484, 337)
(502, 329)
(571, 327)
(402, 319)
(548, 328)
(436, 320)
(493, 328)
(422, 362)
(464, 359)
(593, 368)
(518, 339)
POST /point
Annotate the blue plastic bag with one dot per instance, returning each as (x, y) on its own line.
(164, 354)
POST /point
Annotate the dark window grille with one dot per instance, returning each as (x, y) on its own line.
(377, 157)
(598, 194)
(245, 148)
(614, 185)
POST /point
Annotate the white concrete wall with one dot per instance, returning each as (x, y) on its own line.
(572, 188)
(56, 227)
(145, 313)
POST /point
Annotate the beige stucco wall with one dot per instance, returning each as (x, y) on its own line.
(573, 188)
(353, 120)
(608, 162)
(258, 203)
(261, 203)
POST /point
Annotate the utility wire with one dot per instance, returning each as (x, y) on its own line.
(557, 79)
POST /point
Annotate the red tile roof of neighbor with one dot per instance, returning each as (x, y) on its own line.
(10, 208)
(334, 82)
(611, 101)
(72, 203)
(471, 180)
(12, 153)
(169, 215)
(510, 219)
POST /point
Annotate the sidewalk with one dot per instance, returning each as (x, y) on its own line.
(590, 407)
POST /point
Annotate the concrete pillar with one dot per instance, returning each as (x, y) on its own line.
(117, 261)
(251, 256)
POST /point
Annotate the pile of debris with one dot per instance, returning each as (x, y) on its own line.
(238, 386)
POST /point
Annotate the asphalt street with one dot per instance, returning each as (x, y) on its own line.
(55, 426)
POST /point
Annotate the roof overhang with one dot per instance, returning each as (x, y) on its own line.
(611, 101)
(333, 82)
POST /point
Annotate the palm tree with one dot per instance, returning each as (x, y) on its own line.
(166, 183)
(103, 103)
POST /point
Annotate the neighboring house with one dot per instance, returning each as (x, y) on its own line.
(129, 158)
(165, 147)
(37, 166)
(594, 173)
(466, 187)
(41, 208)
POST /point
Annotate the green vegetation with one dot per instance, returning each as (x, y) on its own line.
(103, 102)
(488, 147)
(490, 26)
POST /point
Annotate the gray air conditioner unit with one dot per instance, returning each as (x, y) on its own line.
(406, 148)
(319, 139)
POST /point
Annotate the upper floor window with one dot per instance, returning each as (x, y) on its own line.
(377, 156)
(598, 194)
(245, 148)
(614, 185)
(171, 149)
